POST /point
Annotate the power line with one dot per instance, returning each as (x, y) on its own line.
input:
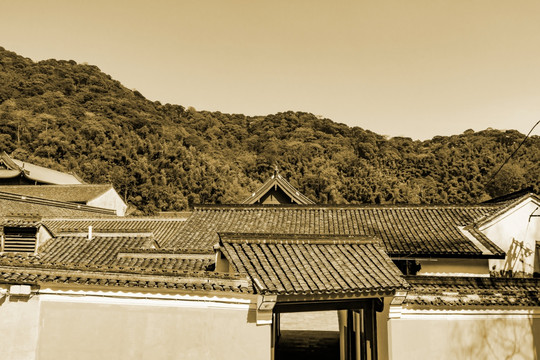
(515, 151)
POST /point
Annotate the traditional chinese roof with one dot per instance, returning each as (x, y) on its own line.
(277, 190)
(128, 253)
(511, 196)
(506, 206)
(412, 231)
(117, 279)
(163, 230)
(306, 265)
(79, 193)
(462, 292)
(99, 250)
(11, 168)
(13, 205)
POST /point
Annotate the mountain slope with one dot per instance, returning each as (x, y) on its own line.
(74, 117)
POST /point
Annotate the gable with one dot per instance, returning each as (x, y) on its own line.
(277, 190)
(515, 229)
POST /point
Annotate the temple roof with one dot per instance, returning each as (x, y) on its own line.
(12, 168)
(80, 193)
(418, 231)
(14, 205)
(277, 190)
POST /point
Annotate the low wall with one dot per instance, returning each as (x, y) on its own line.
(487, 336)
(70, 327)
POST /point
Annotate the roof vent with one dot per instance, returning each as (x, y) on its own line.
(90, 235)
(19, 239)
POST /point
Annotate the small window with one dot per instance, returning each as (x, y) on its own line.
(20, 239)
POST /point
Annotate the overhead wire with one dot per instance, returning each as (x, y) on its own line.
(511, 155)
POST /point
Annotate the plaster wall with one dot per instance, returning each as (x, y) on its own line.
(82, 327)
(19, 327)
(515, 224)
(449, 267)
(149, 329)
(43, 236)
(110, 200)
(465, 337)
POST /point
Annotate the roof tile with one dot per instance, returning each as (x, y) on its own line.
(312, 265)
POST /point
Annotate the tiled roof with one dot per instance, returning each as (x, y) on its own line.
(45, 175)
(506, 206)
(127, 251)
(22, 222)
(178, 281)
(169, 263)
(275, 182)
(80, 193)
(164, 230)
(404, 230)
(288, 265)
(12, 205)
(14, 168)
(512, 196)
(459, 292)
(100, 250)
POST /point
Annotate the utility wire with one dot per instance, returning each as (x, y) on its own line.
(515, 151)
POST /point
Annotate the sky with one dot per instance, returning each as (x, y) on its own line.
(415, 68)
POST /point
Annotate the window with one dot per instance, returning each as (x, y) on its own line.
(19, 239)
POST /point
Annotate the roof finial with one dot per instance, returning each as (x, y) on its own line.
(276, 170)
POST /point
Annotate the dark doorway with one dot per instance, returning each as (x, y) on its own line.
(354, 337)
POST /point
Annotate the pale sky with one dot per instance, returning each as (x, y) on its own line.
(399, 68)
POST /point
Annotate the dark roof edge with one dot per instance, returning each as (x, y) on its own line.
(73, 270)
(510, 196)
(414, 256)
(315, 239)
(55, 203)
(337, 206)
(427, 279)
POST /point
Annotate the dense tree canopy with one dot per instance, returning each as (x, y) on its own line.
(73, 117)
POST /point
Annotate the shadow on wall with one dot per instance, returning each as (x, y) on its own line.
(500, 338)
(516, 257)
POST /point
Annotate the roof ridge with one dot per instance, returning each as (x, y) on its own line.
(316, 239)
(338, 206)
(123, 218)
(56, 203)
(277, 180)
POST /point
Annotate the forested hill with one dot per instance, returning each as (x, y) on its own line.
(73, 117)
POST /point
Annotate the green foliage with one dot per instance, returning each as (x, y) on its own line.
(164, 157)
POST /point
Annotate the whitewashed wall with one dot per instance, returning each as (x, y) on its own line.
(465, 335)
(82, 327)
(517, 233)
(110, 200)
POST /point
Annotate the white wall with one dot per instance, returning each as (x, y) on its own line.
(110, 200)
(516, 224)
(66, 327)
(19, 327)
(462, 336)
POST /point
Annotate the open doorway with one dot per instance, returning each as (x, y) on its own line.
(312, 335)
(334, 331)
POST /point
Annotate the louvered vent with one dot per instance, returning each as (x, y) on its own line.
(20, 239)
